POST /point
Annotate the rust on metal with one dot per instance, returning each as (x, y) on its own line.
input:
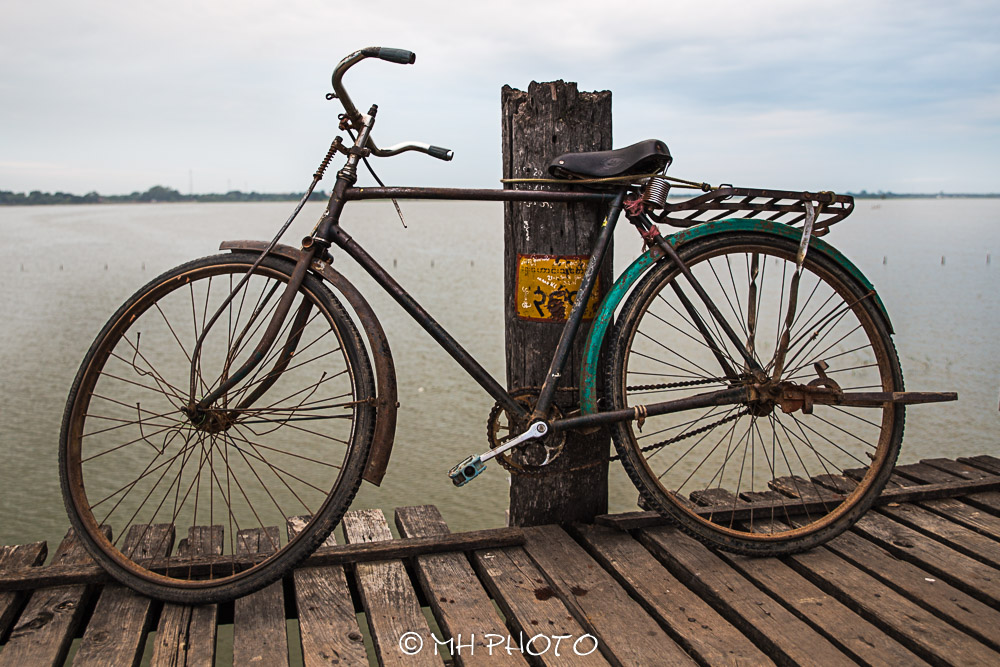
(473, 194)
(783, 206)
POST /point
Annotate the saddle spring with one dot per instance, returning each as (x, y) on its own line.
(654, 195)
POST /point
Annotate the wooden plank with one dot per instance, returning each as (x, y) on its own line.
(186, 635)
(462, 608)
(975, 467)
(30, 578)
(49, 621)
(954, 535)
(965, 573)
(327, 623)
(929, 591)
(259, 633)
(717, 497)
(17, 557)
(892, 530)
(990, 464)
(946, 469)
(849, 632)
(388, 597)
(531, 606)
(692, 622)
(785, 638)
(626, 634)
(892, 494)
(919, 630)
(952, 509)
(116, 633)
(935, 595)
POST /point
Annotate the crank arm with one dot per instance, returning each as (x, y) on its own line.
(536, 430)
(475, 465)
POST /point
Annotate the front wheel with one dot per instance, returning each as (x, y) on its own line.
(812, 472)
(266, 472)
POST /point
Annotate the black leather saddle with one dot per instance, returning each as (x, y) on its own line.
(645, 157)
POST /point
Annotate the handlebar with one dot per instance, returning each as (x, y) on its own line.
(402, 57)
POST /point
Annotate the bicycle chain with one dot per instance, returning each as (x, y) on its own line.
(689, 434)
(663, 443)
(673, 385)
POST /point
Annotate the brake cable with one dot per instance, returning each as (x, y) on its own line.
(378, 180)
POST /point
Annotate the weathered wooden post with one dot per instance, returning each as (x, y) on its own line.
(545, 249)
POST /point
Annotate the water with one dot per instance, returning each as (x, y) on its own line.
(65, 270)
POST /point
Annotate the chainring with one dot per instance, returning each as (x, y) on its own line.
(532, 457)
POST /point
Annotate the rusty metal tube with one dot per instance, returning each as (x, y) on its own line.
(730, 396)
(476, 194)
(270, 334)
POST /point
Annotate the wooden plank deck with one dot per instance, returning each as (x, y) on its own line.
(913, 583)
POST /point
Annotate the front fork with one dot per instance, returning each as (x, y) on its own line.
(313, 247)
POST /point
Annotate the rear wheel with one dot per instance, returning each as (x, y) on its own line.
(810, 472)
(147, 479)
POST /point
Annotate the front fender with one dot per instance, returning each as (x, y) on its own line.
(385, 372)
(595, 341)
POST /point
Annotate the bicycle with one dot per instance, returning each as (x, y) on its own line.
(237, 389)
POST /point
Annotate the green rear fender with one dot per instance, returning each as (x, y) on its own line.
(605, 316)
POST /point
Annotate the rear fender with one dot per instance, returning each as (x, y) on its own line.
(385, 372)
(591, 365)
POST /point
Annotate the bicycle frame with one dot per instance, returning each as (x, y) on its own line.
(343, 240)
(328, 232)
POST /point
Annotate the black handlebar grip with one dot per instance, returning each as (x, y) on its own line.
(401, 56)
(440, 153)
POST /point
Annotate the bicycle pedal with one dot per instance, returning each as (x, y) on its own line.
(467, 470)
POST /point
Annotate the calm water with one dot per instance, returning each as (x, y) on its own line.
(66, 269)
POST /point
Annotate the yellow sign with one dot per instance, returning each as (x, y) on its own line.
(547, 287)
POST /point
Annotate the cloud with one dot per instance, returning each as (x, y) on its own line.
(234, 90)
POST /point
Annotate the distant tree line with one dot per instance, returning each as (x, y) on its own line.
(157, 193)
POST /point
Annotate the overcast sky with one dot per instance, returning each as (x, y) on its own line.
(118, 96)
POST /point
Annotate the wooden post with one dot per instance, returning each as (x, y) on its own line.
(538, 125)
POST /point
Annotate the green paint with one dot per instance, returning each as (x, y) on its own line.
(605, 315)
(777, 229)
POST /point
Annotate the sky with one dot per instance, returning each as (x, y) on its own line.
(116, 97)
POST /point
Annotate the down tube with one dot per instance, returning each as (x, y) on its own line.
(430, 325)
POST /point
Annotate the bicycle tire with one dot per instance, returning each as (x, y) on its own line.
(679, 462)
(129, 396)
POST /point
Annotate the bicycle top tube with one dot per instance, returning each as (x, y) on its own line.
(478, 194)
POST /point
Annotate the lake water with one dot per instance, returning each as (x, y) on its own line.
(65, 269)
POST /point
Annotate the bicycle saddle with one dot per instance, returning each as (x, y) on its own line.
(645, 157)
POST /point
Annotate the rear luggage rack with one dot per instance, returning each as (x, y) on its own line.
(775, 205)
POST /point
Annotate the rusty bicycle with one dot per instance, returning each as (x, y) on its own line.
(252, 391)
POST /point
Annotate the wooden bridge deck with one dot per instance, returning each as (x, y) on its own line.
(914, 582)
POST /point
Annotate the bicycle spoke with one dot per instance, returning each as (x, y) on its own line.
(717, 340)
(752, 449)
(721, 349)
(275, 470)
(157, 376)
